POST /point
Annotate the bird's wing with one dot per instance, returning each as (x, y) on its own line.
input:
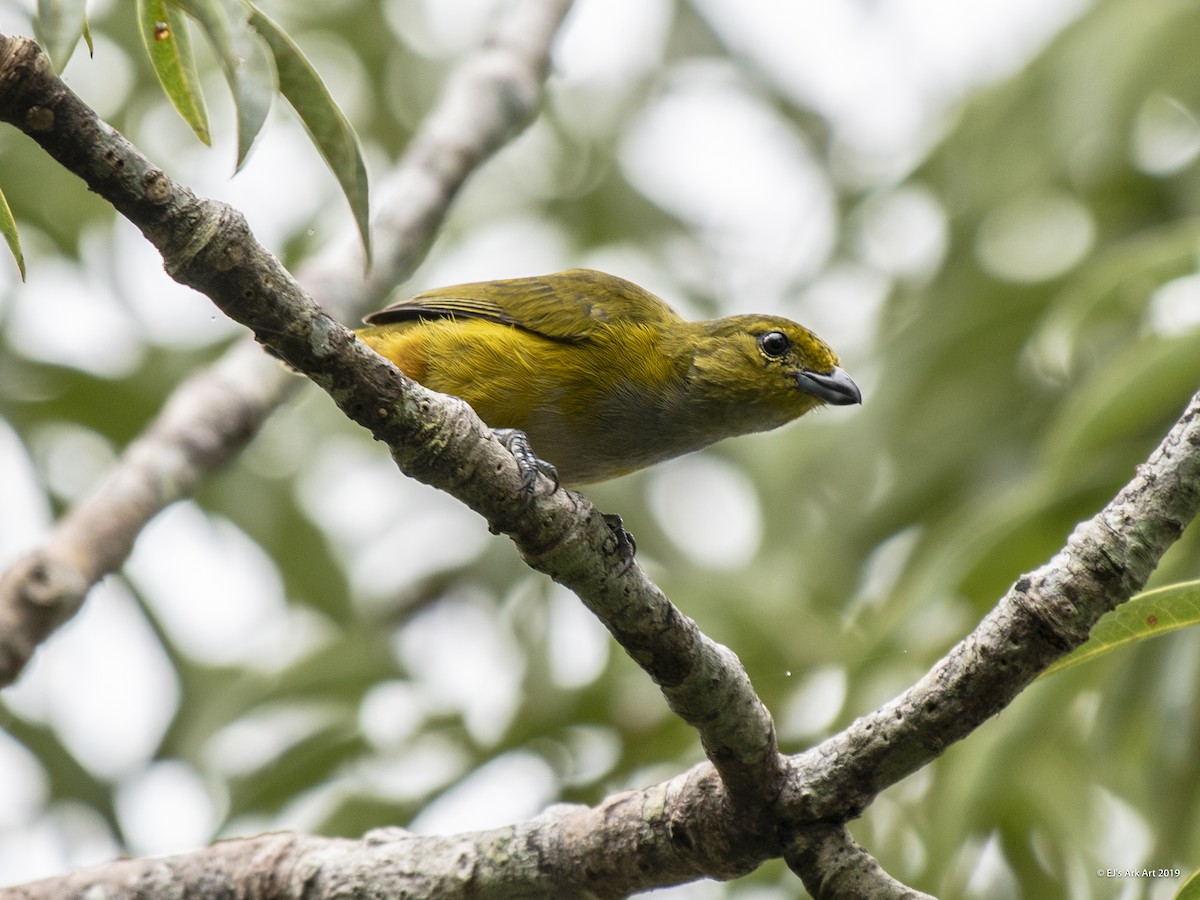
(564, 306)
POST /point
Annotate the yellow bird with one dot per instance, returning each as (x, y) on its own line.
(602, 376)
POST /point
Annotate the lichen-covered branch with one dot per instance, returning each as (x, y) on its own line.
(1044, 615)
(832, 864)
(630, 842)
(489, 98)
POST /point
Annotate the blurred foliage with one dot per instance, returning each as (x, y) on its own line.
(1012, 385)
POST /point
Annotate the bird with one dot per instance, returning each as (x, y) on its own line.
(586, 376)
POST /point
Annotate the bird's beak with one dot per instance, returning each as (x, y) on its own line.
(836, 387)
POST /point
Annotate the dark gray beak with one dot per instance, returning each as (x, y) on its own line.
(836, 388)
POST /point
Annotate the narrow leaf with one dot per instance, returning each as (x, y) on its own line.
(244, 60)
(8, 228)
(1145, 616)
(59, 25)
(164, 32)
(326, 124)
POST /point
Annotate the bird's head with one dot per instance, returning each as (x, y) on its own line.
(762, 371)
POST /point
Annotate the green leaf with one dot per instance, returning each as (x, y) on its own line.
(59, 25)
(164, 32)
(1190, 889)
(244, 60)
(1145, 616)
(330, 130)
(8, 228)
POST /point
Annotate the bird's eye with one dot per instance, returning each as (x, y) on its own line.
(775, 344)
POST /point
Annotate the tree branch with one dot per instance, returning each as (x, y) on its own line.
(801, 804)
(832, 864)
(203, 425)
(671, 833)
(433, 438)
(486, 100)
(1043, 616)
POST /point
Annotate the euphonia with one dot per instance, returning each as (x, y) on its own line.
(602, 376)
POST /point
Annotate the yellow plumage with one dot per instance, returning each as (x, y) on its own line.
(602, 376)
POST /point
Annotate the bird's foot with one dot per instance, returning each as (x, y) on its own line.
(626, 543)
(529, 464)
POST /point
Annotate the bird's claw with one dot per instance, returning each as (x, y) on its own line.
(529, 464)
(626, 543)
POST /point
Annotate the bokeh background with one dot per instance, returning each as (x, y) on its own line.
(988, 208)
